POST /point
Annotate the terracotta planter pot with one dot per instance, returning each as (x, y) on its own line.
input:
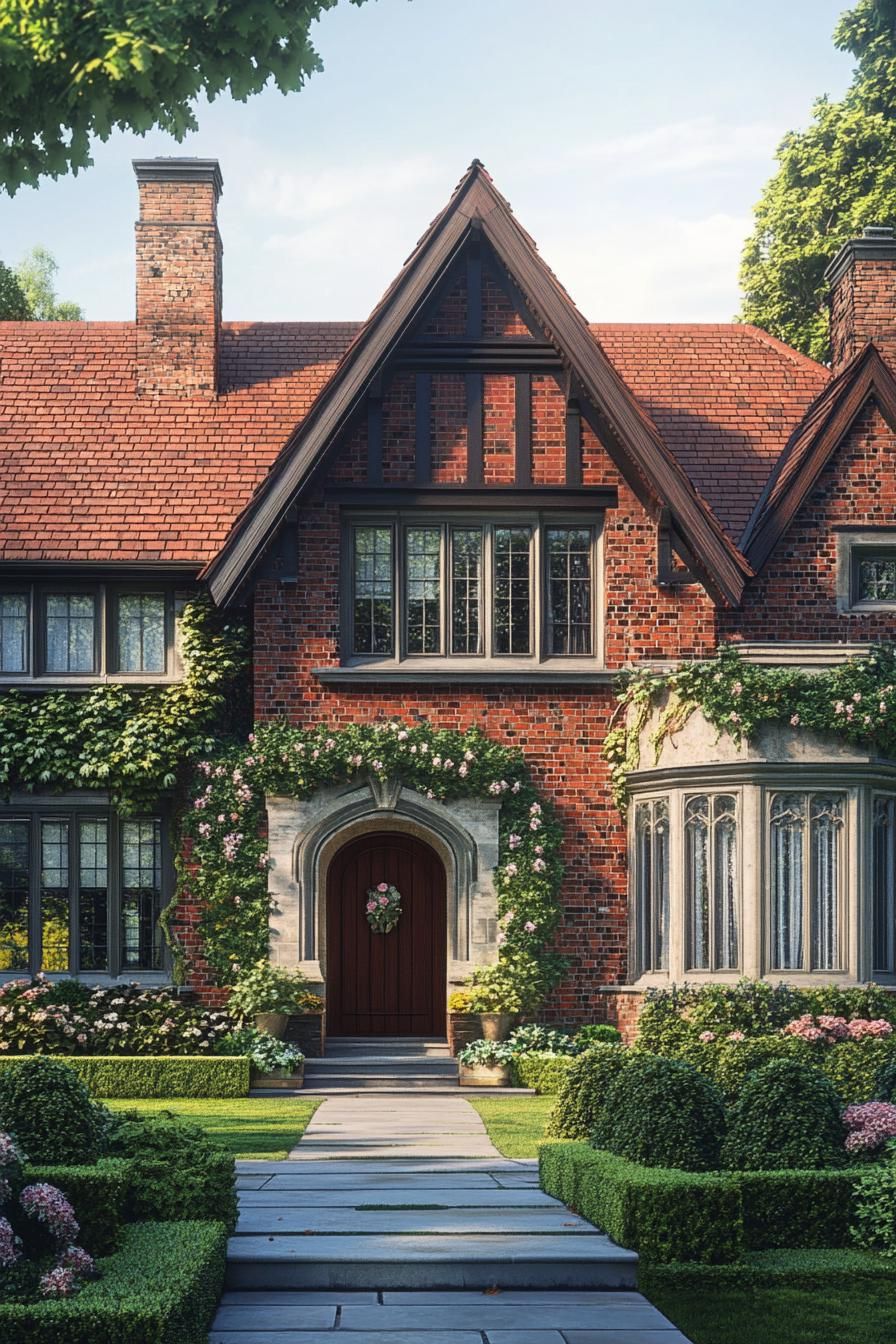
(462, 1029)
(484, 1075)
(496, 1026)
(281, 1078)
(273, 1023)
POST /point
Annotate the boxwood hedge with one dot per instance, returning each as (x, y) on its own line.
(98, 1194)
(545, 1072)
(160, 1287)
(132, 1076)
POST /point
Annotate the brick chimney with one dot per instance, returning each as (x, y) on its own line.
(862, 280)
(178, 277)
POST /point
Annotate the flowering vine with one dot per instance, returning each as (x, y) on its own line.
(228, 864)
(855, 700)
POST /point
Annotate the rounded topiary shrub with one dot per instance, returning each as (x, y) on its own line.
(663, 1113)
(584, 1091)
(885, 1084)
(48, 1110)
(786, 1117)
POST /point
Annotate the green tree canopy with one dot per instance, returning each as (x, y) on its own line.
(833, 178)
(75, 70)
(36, 275)
(14, 306)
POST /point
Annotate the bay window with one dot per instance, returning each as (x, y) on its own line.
(805, 878)
(520, 588)
(711, 881)
(81, 891)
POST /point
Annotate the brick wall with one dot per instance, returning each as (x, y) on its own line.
(863, 308)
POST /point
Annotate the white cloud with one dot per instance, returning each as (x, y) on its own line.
(697, 145)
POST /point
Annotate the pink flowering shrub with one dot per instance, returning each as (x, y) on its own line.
(869, 1126)
(827, 1029)
(39, 1254)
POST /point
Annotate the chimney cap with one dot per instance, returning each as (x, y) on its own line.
(180, 169)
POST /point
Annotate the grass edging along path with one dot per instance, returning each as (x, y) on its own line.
(515, 1125)
(247, 1127)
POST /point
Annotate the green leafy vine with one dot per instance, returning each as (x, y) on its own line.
(855, 700)
(130, 742)
(228, 863)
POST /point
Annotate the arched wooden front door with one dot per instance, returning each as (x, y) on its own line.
(386, 984)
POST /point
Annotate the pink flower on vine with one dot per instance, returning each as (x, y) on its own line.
(529, 926)
(515, 841)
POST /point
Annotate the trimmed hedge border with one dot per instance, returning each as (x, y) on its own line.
(708, 1218)
(542, 1071)
(663, 1214)
(161, 1287)
(129, 1077)
(98, 1194)
(824, 1270)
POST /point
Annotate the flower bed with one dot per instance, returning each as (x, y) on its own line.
(98, 1193)
(168, 1076)
(160, 1287)
(67, 1017)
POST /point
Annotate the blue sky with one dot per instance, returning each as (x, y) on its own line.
(631, 139)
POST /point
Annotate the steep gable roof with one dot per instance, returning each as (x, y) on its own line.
(627, 431)
(811, 446)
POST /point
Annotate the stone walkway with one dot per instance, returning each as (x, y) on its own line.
(396, 1221)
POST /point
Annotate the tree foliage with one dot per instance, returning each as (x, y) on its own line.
(14, 306)
(72, 71)
(833, 178)
(36, 276)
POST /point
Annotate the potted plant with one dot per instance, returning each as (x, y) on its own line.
(274, 1063)
(485, 1064)
(464, 1025)
(497, 994)
(268, 994)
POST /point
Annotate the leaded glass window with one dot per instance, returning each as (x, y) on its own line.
(13, 632)
(141, 632)
(423, 589)
(652, 896)
(373, 591)
(711, 881)
(466, 590)
(141, 894)
(15, 861)
(875, 577)
(100, 876)
(883, 959)
(54, 895)
(70, 632)
(806, 876)
(569, 551)
(513, 590)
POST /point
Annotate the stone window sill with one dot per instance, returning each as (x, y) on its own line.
(484, 673)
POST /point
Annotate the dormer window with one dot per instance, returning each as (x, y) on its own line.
(518, 588)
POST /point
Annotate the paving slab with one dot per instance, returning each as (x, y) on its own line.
(247, 1167)
(509, 1296)
(309, 1296)
(331, 1337)
(362, 1180)
(507, 1316)
(294, 1315)
(524, 1337)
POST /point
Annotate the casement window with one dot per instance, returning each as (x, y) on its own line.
(712, 888)
(75, 632)
(81, 891)
(524, 588)
(651, 883)
(873, 576)
(806, 877)
(883, 884)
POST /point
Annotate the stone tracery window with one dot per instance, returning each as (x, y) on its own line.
(805, 877)
(711, 881)
(652, 884)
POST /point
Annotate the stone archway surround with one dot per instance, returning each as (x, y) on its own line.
(305, 833)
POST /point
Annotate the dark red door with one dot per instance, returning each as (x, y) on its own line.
(386, 984)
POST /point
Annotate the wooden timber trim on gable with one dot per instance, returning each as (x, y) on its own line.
(812, 445)
(478, 210)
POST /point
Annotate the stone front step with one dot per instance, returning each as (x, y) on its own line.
(348, 1047)
(438, 1317)
(405, 1261)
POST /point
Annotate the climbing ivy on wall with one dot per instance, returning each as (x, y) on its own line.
(228, 864)
(856, 701)
(130, 742)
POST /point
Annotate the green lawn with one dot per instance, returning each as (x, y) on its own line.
(515, 1124)
(863, 1313)
(261, 1127)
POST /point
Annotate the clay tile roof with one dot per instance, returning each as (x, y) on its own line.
(90, 472)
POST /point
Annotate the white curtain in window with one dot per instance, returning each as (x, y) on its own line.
(827, 828)
(787, 879)
(724, 831)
